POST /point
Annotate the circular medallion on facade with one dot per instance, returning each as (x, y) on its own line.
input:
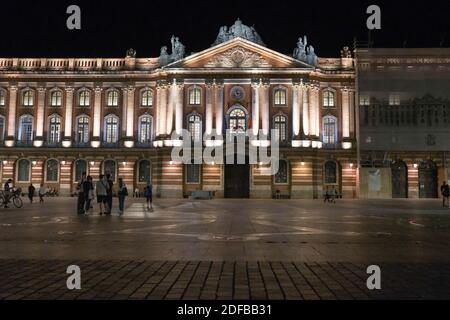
(237, 93)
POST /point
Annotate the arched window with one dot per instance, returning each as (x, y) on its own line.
(109, 167)
(26, 129)
(195, 96)
(111, 131)
(281, 177)
(328, 99)
(147, 98)
(52, 170)
(237, 120)
(2, 128)
(279, 97)
(80, 167)
(280, 124)
(145, 129)
(2, 98)
(195, 126)
(54, 129)
(23, 170)
(144, 172)
(84, 98)
(56, 98)
(329, 130)
(112, 98)
(82, 130)
(330, 176)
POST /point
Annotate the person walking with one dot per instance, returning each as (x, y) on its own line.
(109, 193)
(148, 194)
(100, 190)
(122, 193)
(42, 191)
(81, 196)
(88, 189)
(31, 190)
(445, 191)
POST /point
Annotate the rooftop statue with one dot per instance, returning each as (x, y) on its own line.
(178, 51)
(305, 53)
(238, 29)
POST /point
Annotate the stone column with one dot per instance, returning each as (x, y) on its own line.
(67, 141)
(129, 139)
(312, 111)
(11, 136)
(171, 106)
(265, 107)
(40, 121)
(96, 128)
(345, 114)
(179, 107)
(163, 110)
(255, 106)
(295, 109)
(209, 108)
(219, 107)
(352, 112)
(305, 111)
(158, 108)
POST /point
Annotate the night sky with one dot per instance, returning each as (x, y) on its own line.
(38, 28)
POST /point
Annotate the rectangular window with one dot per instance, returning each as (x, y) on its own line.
(280, 97)
(192, 173)
(194, 96)
(394, 99)
(364, 100)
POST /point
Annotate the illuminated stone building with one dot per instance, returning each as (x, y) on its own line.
(60, 117)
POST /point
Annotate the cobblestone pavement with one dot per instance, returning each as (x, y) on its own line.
(208, 280)
(227, 249)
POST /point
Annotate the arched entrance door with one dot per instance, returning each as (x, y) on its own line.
(399, 179)
(428, 183)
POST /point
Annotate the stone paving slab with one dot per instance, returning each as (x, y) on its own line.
(215, 280)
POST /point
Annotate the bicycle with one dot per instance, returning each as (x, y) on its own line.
(14, 198)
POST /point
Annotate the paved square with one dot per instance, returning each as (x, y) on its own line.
(228, 249)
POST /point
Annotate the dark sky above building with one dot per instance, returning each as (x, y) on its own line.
(38, 28)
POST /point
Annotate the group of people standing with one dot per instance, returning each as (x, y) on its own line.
(103, 190)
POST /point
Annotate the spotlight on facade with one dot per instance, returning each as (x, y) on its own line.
(296, 143)
(171, 162)
(351, 165)
(9, 143)
(95, 144)
(38, 143)
(306, 143)
(346, 145)
(129, 144)
(67, 143)
(124, 163)
(34, 162)
(92, 163)
(415, 165)
(302, 163)
(5, 162)
(63, 162)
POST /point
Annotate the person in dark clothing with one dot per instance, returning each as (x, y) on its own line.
(31, 190)
(88, 190)
(445, 191)
(148, 194)
(122, 193)
(81, 195)
(109, 193)
(8, 189)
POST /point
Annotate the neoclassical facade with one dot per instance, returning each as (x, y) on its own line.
(61, 117)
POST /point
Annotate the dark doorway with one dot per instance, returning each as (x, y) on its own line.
(399, 173)
(428, 180)
(237, 180)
